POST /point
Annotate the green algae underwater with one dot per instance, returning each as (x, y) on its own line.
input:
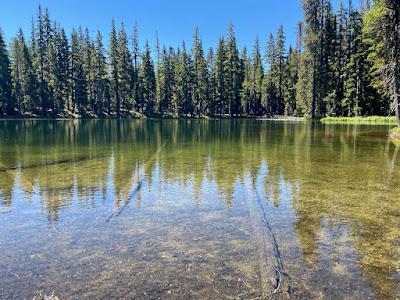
(179, 209)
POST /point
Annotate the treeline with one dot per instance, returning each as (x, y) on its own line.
(344, 63)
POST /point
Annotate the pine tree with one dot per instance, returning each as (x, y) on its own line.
(313, 37)
(329, 59)
(58, 76)
(17, 58)
(340, 61)
(247, 82)
(219, 78)
(382, 30)
(200, 78)
(166, 83)
(305, 85)
(24, 81)
(242, 75)
(293, 70)
(101, 82)
(41, 60)
(323, 66)
(7, 104)
(48, 30)
(270, 99)
(78, 76)
(147, 82)
(280, 57)
(176, 83)
(113, 59)
(87, 52)
(232, 74)
(184, 82)
(157, 70)
(63, 60)
(354, 83)
(52, 77)
(135, 78)
(290, 81)
(257, 77)
(211, 103)
(125, 70)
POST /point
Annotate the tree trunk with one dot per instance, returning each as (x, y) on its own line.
(117, 95)
(396, 98)
(396, 36)
(314, 90)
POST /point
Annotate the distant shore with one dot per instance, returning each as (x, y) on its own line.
(371, 120)
(137, 115)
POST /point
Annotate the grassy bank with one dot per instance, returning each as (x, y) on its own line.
(373, 120)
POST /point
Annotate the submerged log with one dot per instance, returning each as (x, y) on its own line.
(4, 168)
(274, 281)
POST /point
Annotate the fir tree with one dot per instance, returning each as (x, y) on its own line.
(78, 76)
(382, 30)
(87, 53)
(101, 82)
(157, 70)
(166, 82)
(135, 55)
(125, 70)
(24, 81)
(40, 58)
(113, 58)
(290, 81)
(200, 76)
(63, 63)
(219, 78)
(270, 99)
(7, 104)
(313, 36)
(280, 58)
(147, 82)
(247, 82)
(211, 105)
(184, 82)
(257, 78)
(232, 73)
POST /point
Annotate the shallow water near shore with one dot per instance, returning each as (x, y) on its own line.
(150, 209)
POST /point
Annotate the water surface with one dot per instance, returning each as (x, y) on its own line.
(166, 209)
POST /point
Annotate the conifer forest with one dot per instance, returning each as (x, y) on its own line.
(344, 63)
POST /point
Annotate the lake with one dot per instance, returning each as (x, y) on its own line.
(203, 209)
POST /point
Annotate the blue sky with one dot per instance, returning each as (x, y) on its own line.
(174, 20)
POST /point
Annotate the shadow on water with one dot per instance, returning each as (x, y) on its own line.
(326, 195)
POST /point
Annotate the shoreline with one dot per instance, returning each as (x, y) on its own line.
(157, 117)
(371, 120)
